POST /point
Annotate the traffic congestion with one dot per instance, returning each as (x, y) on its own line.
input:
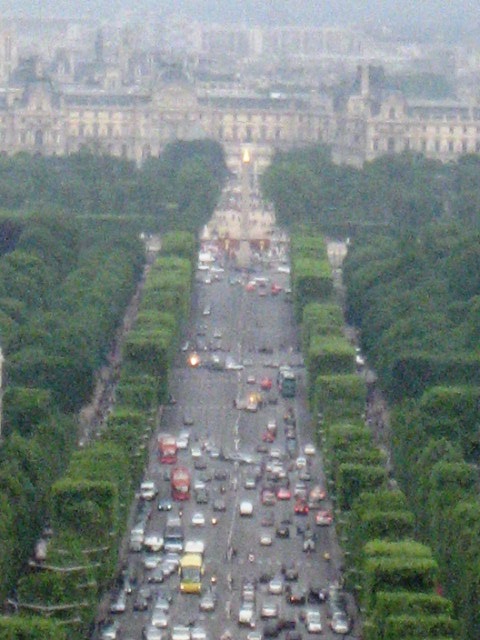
(233, 532)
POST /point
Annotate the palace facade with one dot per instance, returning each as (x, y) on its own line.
(43, 116)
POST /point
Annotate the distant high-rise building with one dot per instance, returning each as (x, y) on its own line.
(8, 54)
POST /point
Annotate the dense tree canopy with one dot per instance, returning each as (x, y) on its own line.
(398, 193)
(180, 187)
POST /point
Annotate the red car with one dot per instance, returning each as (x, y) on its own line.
(268, 436)
(284, 493)
(266, 384)
(276, 288)
(251, 286)
(301, 508)
(323, 518)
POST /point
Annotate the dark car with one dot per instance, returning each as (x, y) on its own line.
(290, 571)
(293, 635)
(271, 630)
(201, 496)
(219, 504)
(165, 504)
(296, 594)
(140, 603)
(282, 531)
(317, 594)
(220, 474)
(288, 623)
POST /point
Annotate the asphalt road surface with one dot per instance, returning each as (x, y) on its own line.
(258, 332)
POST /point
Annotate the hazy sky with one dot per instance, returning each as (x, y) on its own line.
(420, 13)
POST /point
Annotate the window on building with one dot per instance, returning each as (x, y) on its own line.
(81, 130)
(450, 146)
(423, 144)
(263, 133)
(235, 133)
(375, 144)
(220, 132)
(437, 146)
(278, 133)
(406, 145)
(391, 114)
(248, 134)
(464, 146)
(391, 144)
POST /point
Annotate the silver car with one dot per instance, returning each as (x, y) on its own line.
(180, 633)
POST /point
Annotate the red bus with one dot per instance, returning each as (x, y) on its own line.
(180, 483)
(167, 449)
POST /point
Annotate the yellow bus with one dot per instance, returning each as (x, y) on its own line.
(191, 571)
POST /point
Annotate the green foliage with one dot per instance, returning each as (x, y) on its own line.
(85, 508)
(353, 479)
(320, 319)
(16, 628)
(412, 373)
(24, 409)
(329, 355)
(139, 392)
(452, 413)
(340, 397)
(404, 602)
(395, 572)
(418, 626)
(312, 281)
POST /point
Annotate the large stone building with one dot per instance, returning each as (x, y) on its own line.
(372, 125)
(131, 103)
(39, 117)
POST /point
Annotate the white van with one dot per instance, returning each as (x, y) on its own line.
(148, 490)
(195, 546)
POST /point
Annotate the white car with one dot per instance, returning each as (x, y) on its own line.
(198, 633)
(159, 619)
(180, 633)
(196, 451)
(283, 268)
(246, 508)
(151, 560)
(195, 546)
(148, 490)
(309, 449)
(313, 621)
(152, 633)
(198, 519)
(266, 539)
(275, 586)
(153, 542)
(182, 440)
(270, 609)
(339, 623)
(246, 613)
(301, 462)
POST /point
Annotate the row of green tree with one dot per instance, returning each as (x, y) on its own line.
(417, 306)
(89, 505)
(393, 576)
(397, 193)
(51, 287)
(177, 190)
